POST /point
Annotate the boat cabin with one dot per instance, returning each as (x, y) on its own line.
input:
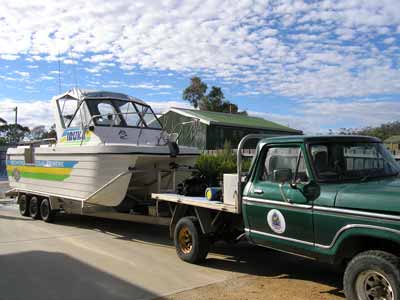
(85, 117)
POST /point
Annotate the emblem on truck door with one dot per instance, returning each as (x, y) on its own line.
(276, 221)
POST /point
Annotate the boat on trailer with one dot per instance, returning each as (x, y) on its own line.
(110, 151)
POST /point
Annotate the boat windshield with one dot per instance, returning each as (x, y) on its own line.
(346, 161)
(119, 113)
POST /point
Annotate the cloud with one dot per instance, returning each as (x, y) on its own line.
(30, 113)
(150, 86)
(317, 117)
(163, 106)
(9, 56)
(296, 48)
(46, 77)
(22, 74)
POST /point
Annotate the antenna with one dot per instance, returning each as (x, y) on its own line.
(73, 69)
(59, 74)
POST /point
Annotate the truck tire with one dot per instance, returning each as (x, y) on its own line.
(46, 213)
(34, 208)
(191, 244)
(372, 275)
(23, 203)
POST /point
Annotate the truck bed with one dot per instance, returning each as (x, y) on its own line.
(195, 201)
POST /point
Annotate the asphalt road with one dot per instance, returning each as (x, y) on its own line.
(94, 259)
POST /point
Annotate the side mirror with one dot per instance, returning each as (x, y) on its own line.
(282, 175)
(310, 190)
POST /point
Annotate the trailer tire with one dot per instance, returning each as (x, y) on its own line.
(46, 212)
(190, 243)
(23, 202)
(372, 275)
(34, 208)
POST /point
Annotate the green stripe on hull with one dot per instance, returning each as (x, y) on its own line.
(42, 176)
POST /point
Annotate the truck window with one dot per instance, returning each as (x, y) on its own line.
(352, 161)
(283, 158)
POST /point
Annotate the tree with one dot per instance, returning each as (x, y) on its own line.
(215, 100)
(195, 92)
(383, 131)
(40, 132)
(11, 133)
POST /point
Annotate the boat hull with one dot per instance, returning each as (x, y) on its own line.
(97, 178)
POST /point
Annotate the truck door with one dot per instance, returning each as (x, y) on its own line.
(277, 215)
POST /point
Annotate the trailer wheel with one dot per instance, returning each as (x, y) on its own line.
(34, 208)
(191, 244)
(46, 212)
(372, 275)
(23, 202)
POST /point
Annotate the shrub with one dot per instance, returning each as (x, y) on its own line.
(212, 167)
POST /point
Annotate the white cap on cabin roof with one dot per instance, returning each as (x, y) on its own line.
(80, 94)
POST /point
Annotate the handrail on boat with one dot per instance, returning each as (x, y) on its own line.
(40, 142)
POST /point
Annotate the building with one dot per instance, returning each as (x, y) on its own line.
(209, 130)
(393, 144)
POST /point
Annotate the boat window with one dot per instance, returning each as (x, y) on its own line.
(77, 120)
(29, 156)
(106, 112)
(129, 113)
(67, 108)
(81, 118)
(123, 114)
(149, 118)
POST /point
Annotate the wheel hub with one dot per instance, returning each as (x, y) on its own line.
(371, 285)
(185, 240)
(45, 210)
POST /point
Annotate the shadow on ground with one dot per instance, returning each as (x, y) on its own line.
(52, 275)
(239, 258)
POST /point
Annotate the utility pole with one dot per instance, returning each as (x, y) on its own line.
(15, 125)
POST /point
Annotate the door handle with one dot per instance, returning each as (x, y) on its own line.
(258, 191)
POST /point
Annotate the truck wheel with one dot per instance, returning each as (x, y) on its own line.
(191, 244)
(34, 208)
(372, 275)
(23, 202)
(46, 212)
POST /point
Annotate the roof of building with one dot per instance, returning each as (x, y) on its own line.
(234, 120)
(394, 139)
(321, 138)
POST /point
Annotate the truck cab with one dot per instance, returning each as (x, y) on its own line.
(331, 198)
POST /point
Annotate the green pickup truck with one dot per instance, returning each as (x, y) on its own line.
(329, 198)
(334, 199)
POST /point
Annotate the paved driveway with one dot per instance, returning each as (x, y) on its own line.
(94, 259)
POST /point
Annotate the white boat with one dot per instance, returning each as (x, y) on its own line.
(111, 150)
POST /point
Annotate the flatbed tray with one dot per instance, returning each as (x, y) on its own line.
(194, 201)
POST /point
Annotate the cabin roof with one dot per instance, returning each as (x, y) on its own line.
(81, 94)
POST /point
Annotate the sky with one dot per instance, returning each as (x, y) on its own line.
(311, 65)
